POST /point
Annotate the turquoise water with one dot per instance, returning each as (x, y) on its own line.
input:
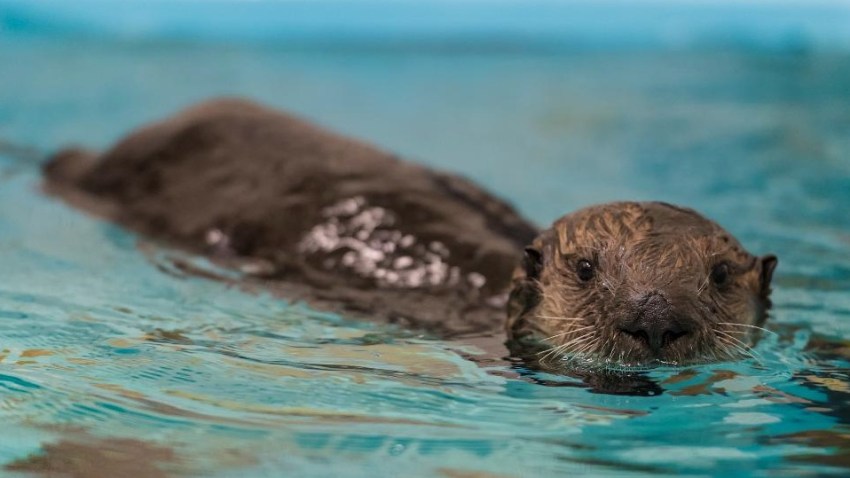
(105, 345)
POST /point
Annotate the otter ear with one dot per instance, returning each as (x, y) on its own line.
(532, 263)
(525, 294)
(768, 265)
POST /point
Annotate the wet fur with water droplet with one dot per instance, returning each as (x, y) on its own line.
(345, 225)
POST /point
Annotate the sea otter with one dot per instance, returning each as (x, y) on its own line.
(345, 225)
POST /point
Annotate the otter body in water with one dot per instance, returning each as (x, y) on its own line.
(322, 217)
(344, 224)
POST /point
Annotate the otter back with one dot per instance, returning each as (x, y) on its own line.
(366, 231)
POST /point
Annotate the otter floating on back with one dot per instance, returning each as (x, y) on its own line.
(345, 225)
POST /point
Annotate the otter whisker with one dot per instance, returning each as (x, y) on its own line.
(549, 351)
(559, 348)
(756, 327)
(631, 349)
(740, 336)
(728, 333)
(726, 347)
(572, 331)
(724, 351)
(578, 340)
(586, 327)
(609, 355)
(581, 342)
(739, 345)
(730, 336)
(735, 348)
(585, 342)
(552, 353)
(587, 347)
(729, 347)
(701, 288)
(569, 319)
(558, 335)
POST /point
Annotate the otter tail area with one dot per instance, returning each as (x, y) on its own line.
(67, 166)
(64, 167)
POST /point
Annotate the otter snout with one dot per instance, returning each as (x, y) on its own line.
(655, 323)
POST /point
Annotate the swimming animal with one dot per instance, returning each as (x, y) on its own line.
(344, 225)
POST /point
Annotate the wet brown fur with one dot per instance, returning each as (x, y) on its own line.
(637, 249)
(261, 180)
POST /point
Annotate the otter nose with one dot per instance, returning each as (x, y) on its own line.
(656, 324)
(656, 334)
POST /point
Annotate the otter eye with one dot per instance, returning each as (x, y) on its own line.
(584, 270)
(720, 274)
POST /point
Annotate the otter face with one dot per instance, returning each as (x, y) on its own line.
(636, 284)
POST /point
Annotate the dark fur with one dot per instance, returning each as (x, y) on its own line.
(343, 224)
(260, 180)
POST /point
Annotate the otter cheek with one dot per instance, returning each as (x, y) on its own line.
(753, 311)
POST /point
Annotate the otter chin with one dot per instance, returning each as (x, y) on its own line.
(636, 284)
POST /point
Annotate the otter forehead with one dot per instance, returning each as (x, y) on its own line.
(643, 230)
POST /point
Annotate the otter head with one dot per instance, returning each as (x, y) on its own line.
(636, 284)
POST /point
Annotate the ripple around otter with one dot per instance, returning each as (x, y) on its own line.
(105, 360)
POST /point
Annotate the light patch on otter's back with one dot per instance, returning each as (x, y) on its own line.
(362, 239)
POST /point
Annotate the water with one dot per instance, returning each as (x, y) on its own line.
(109, 353)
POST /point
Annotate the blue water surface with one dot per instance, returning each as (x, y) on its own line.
(105, 345)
